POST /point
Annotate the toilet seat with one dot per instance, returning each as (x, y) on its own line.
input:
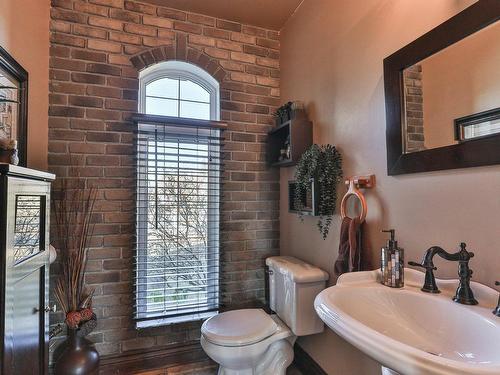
(239, 327)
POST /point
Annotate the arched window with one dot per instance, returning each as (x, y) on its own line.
(178, 195)
(179, 89)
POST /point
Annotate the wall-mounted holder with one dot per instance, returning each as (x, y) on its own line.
(355, 183)
(294, 137)
(310, 204)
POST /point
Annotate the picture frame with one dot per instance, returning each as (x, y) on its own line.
(476, 152)
(14, 104)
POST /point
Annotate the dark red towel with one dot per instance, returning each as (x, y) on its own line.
(350, 247)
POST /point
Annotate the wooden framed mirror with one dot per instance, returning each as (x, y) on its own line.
(442, 95)
(14, 103)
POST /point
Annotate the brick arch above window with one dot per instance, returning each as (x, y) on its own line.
(180, 52)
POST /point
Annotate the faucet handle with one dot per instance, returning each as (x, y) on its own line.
(425, 266)
(497, 310)
(430, 285)
(468, 254)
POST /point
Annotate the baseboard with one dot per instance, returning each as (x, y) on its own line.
(305, 363)
(132, 362)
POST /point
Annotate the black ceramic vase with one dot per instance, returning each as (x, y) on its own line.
(79, 356)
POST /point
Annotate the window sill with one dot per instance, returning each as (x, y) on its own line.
(174, 320)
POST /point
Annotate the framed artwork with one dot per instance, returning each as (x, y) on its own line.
(13, 104)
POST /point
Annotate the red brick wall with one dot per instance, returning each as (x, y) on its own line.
(96, 47)
(414, 109)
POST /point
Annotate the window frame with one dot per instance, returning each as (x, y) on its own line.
(180, 70)
(183, 71)
(213, 239)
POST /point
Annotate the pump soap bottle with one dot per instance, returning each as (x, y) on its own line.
(392, 262)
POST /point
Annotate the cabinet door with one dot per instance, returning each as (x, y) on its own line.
(27, 277)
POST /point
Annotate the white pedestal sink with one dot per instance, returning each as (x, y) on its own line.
(412, 332)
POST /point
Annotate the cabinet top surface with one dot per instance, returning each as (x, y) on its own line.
(17, 171)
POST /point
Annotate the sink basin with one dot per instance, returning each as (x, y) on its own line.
(413, 332)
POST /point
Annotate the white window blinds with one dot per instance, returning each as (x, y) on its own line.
(177, 221)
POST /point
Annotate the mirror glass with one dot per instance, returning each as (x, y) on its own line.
(453, 96)
(8, 106)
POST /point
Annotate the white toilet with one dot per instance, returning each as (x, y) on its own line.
(251, 342)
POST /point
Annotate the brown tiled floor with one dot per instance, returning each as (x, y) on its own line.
(199, 368)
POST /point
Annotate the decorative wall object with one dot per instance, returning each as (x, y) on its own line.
(473, 29)
(309, 199)
(13, 105)
(324, 165)
(288, 140)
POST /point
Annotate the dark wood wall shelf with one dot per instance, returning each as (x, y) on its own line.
(301, 136)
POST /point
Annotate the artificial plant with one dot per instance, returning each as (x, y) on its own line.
(74, 211)
(283, 113)
(323, 163)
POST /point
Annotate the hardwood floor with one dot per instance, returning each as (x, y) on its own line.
(199, 368)
(292, 370)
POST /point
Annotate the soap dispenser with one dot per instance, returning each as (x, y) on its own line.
(392, 262)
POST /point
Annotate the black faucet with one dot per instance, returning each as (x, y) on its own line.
(464, 294)
(497, 310)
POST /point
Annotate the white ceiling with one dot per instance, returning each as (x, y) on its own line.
(271, 14)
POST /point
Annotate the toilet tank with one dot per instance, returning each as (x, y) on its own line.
(293, 285)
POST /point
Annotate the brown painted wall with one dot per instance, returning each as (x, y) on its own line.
(24, 33)
(331, 58)
(93, 91)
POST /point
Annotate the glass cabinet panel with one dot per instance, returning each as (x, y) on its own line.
(28, 226)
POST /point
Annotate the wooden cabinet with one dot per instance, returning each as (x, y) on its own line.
(297, 132)
(24, 270)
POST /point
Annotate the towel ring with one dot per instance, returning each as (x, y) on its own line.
(354, 183)
(353, 190)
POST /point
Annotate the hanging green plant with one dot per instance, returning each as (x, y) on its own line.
(324, 165)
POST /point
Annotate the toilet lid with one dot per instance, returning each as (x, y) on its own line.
(239, 327)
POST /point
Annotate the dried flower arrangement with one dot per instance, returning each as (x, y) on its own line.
(73, 211)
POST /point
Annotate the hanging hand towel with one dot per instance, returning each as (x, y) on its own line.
(350, 247)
